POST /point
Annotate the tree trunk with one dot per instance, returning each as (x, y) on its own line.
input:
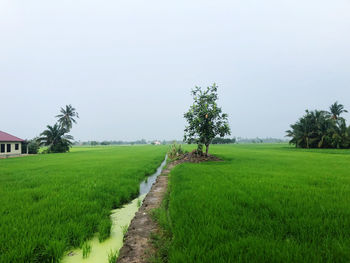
(206, 149)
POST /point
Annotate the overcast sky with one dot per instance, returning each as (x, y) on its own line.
(128, 66)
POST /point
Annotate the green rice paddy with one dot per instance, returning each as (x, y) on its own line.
(263, 203)
(53, 202)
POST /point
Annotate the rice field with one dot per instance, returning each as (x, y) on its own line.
(50, 203)
(263, 203)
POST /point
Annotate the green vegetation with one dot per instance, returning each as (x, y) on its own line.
(219, 140)
(321, 129)
(263, 203)
(50, 203)
(175, 151)
(32, 146)
(139, 203)
(124, 229)
(67, 116)
(104, 229)
(55, 137)
(113, 256)
(205, 119)
(86, 249)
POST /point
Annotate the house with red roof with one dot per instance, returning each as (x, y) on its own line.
(10, 145)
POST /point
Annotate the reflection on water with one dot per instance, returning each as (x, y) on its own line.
(146, 185)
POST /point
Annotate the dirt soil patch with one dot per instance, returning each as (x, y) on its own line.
(193, 157)
(137, 245)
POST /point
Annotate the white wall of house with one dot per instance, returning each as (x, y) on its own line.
(4, 148)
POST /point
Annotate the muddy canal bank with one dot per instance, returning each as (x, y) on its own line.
(137, 246)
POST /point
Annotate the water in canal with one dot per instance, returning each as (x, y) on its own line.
(121, 219)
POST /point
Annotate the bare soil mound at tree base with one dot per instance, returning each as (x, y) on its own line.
(193, 157)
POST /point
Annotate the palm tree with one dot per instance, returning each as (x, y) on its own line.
(55, 138)
(321, 129)
(340, 134)
(336, 110)
(66, 118)
(324, 131)
(302, 131)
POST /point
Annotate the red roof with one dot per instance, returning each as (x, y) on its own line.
(5, 137)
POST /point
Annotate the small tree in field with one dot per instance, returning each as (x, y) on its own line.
(205, 119)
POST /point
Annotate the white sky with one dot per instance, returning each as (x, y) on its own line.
(128, 66)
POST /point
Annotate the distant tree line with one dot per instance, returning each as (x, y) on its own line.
(114, 142)
(321, 129)
(219, 140)
(94, 143)
(260, 140)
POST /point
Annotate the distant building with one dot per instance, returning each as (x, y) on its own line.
(157, 143)
(10, 145)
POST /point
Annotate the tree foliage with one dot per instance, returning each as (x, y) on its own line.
(67, 117)
(321, 129)
(219, 140)
(205, 119)
(175, 151)
(94, 143)
(56, 139)
(31, 145)
(336, 110)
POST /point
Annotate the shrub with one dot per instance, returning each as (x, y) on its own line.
(175, 151)
(32, 145)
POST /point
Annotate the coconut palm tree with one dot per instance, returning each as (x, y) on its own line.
(324, 131)
(67, 117)
(302, 131)
(55, 138)
(340, 134)
(321, 129)
(336, 110)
